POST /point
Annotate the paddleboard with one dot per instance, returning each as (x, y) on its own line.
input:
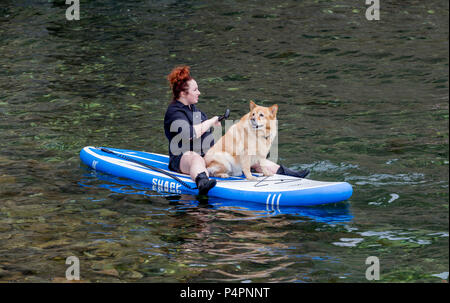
(273, 191)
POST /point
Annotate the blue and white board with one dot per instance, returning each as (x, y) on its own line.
(274, 191)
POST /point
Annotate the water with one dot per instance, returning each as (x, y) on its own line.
(359, 101)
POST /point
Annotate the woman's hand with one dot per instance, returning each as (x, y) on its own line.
(215, 121)
(201, 128)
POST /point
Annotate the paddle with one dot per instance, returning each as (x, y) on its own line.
(146, 165)
(225, 116)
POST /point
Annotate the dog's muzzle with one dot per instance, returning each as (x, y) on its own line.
(255, 124)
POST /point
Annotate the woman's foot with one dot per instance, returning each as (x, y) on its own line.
(204, 184)
(283, 170)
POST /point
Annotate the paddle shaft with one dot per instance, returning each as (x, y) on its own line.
(147, 166)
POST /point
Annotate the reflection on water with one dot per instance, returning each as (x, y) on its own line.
(207, 233)
(331, 213)
(359, 101)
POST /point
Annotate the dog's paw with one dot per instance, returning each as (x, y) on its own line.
(222, 175)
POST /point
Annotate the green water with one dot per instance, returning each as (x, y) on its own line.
(359, 101)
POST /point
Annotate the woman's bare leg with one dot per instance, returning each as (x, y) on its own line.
(269, 165)
(273, 168)
(192, 164)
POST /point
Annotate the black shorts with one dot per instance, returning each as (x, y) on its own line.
(174, 163)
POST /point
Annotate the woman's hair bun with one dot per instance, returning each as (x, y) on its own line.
(178, 79)
(179, 74)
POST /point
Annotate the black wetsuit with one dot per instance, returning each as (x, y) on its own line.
(184, 117)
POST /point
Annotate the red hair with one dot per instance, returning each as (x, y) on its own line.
(178, 79)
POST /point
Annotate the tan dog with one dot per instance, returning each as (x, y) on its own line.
(244, 144)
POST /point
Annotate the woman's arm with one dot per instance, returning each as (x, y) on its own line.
(201, 128)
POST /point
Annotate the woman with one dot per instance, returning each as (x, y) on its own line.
(183, 114)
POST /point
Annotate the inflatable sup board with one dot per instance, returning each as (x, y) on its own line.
(273, 191)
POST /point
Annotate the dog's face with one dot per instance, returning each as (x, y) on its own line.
(260, 117)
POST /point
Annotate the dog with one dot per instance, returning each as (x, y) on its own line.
(245, 144)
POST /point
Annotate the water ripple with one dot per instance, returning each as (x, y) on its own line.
(387, 179)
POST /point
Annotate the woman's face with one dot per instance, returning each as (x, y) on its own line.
(192, 93)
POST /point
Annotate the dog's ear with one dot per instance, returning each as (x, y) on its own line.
(252, 105)
(274, 109)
